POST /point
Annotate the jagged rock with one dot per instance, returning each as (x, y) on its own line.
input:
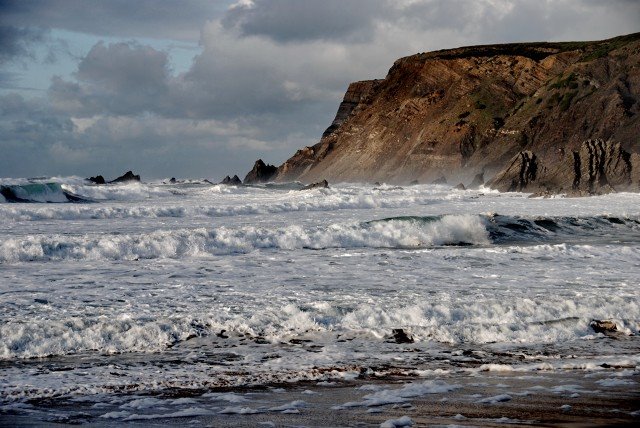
(98, 179)
(261, 173)
(440, 180)
(603, 326)
(324, 184)
(597, 167)
(231, 181)
(478, 181)
(602, 166)
(400, 336)
(172, 181)
(517, 175)
(126, 177)
(460, 186)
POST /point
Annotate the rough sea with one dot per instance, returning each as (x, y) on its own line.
(150, 300)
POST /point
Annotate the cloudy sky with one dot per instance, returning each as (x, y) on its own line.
(195, 88)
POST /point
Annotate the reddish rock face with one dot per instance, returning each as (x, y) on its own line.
(453, 114)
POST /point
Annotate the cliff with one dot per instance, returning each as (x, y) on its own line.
(461, 112)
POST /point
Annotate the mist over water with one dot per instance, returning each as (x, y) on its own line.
(148, 287)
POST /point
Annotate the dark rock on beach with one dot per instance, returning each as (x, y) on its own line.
(126, 177)
(603, 326)
(400, 336)
(261, 173)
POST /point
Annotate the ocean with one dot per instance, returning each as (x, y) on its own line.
(150, 301)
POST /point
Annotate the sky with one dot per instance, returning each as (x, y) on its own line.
(201, 89)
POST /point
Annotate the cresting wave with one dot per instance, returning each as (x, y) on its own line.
(446, 230)
(503, 229)
(39, 192)
(398, 232)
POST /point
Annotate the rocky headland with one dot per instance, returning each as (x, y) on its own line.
(533, 117)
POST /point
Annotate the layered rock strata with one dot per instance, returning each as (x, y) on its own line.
(521, 111)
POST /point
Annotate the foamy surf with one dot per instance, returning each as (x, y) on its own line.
(394, 233)
(156, 289)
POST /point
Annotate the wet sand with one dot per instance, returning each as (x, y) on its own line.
(572, 398)
(539, 399)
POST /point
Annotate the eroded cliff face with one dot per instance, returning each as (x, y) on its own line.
(596, 167)
(460, 112)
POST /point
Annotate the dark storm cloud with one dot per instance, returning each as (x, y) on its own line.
(120, 78)
(267, 80)
(17, 42)
(294, 20)
(179, 20)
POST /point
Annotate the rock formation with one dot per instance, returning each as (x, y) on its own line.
(324, 184)
(98, 179)
(126, 177)
(603, 326)
(261, 173)
(231, 181)
(522, 111)
(596, 167)
(400, 336)
(477, 181)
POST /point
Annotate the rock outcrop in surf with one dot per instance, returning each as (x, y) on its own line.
(126, 177)
(231, 181)
(98, 179)
(549, 117)
(261, 173)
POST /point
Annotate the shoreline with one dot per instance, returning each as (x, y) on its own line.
(575, 398)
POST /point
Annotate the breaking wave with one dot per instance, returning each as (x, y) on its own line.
(39, 192)
(486, 320)
(397, 232)
(501, 229)
(447, 230)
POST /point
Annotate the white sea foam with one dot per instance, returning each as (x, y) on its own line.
(402, 395)
(156, 288)
(199, 242)
(404, 421)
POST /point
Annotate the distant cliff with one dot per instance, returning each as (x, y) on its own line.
(519, 113)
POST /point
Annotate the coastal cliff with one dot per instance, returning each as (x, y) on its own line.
(528, 116)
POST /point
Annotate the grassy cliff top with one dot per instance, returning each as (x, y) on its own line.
(536, 50)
